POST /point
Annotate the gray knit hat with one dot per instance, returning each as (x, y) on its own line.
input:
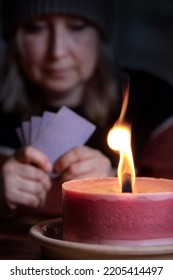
(98, 12)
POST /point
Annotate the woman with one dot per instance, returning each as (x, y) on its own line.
(56, 56)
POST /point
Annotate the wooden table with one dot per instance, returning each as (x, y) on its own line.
(15, 243)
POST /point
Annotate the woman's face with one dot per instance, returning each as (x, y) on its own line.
(58, 53)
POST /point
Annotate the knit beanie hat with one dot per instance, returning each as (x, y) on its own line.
(97, 12)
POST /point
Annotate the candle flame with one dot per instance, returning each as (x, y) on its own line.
(119, 139)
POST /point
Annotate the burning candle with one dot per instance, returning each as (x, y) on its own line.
(126, 210)
(96, 211)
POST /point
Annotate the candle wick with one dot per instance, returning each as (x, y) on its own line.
(126, 183)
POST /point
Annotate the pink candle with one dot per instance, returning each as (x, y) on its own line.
(96, 211)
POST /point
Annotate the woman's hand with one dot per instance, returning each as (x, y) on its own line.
(83, 162)
(25, 179)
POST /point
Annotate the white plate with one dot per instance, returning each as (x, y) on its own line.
(48, 235)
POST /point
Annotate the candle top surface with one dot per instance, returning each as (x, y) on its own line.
(143, 185)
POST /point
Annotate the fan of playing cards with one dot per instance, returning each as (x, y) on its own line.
(55, 133)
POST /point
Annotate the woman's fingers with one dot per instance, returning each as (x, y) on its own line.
(31, 155)
(75, 155)
(22, 198)
(25, 192)
(83, 162)
(24, 181)
(28, 172)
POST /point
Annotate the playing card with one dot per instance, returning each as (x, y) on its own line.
(66, 131)
(35, 127)
(56, 133)
(46, 119)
